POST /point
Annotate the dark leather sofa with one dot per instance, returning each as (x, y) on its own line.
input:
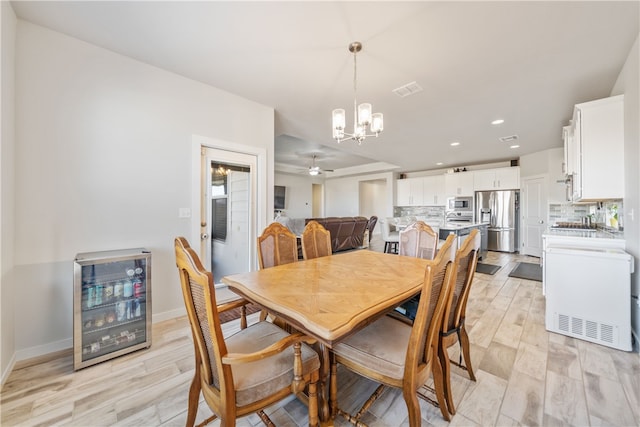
(347, 232)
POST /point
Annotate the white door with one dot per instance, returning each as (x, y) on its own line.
(534, 214)
(228, 212)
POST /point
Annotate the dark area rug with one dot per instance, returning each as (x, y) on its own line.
(528, 271)
(234, 314)
(487, 268)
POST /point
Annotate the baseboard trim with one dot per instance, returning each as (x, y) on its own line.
(67, 343)
(41, 350)
(9, 369)
(168, 315)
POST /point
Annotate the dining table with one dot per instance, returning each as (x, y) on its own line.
(332, 297)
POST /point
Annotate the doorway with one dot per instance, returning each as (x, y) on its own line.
(534, 214)
(372, 199)
(229, 218)
(229, 195)
(317, 200)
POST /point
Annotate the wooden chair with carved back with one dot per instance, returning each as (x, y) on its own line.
(453, 327)
(247, 371)
(399, 355)
(277, 245)
(315, 240)
(420, 241)
(227, 299)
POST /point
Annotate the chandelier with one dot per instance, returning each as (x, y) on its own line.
(362, 115)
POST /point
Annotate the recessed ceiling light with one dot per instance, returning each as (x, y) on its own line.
(497, 122)
(455, 143)
(439, 164)
(515, 146)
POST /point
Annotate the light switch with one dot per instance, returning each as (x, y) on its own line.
(184, 213)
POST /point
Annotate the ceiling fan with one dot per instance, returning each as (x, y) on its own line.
(314, 169)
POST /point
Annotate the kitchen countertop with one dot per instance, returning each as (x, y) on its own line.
(461, 225)
(587, 234)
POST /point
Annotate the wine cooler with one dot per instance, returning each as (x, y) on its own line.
(111, 305)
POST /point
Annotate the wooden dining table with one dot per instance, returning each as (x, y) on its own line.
(332, 297)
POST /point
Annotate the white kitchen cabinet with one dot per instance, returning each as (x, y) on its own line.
(409, 192)
(571, 155)
(459, 184)
(598, 134)
(497, 179)
(434, 191)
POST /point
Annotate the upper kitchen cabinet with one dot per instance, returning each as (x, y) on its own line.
(497, 179)
(410, 192)
(423, 191)
(459, 184)
(598, 135)
(434, 191)
(571, 158)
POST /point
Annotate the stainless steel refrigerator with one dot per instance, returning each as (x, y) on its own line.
(500, 209)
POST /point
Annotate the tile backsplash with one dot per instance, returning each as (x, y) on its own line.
(430, 212)
(601, 212)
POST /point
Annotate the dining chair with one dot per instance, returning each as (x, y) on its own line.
(227, 299)
(315, 240)
(390, 238)
(453, 329)
(277, 245)
(249, 370)
(373, 220)
(399, 355)
(420, 241)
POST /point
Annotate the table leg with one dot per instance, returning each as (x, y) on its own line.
(323, 398)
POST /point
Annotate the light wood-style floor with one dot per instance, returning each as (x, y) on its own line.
(525, 376)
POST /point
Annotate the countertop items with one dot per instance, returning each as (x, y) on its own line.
(599, 234)
(462, 225)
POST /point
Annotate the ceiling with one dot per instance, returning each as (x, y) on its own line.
(525, 62)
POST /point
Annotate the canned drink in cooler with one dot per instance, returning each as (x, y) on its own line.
(108, 292)
(137, 288)
(99, 292)
(121, 309)
(118, 290)
(128, 289)
(136, 308)
(90, 296)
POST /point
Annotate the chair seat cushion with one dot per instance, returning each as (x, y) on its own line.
(262, 378)
(381, 346)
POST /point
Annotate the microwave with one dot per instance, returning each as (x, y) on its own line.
(460, 204)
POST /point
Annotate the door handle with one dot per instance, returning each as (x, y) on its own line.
(204, 236)
(541, 222)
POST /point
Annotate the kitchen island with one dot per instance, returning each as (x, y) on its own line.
(463, 229)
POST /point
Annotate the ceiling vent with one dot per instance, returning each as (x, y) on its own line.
(408, 89)
(509, 138)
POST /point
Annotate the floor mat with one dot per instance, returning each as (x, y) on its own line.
(487, 268)
(528, 271)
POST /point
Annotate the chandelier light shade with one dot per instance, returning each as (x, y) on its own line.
(362, 114)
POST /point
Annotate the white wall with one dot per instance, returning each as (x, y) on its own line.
(7, 201)
(299, 194)
(342, 194)
(103, 161)
(627, 83)
(548, 163)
